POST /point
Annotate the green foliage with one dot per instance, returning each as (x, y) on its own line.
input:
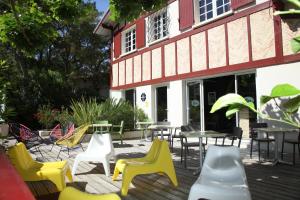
(294, 9)
(111, 110)
(64, 117)
(51, 55)
(5, 111)
(140, 115)
(131, 9)
(85, 111)
(291, 95)
(47, 116)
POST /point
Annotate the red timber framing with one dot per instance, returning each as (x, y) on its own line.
(279, 58)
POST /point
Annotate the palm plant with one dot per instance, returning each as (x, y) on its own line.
(85, 111)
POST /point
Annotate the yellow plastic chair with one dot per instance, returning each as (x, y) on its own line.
(157, 160)
(70, 193)
(73, 140)
(31, 170)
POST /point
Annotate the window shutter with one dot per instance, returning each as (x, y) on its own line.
(140, 33)
(117, 45)
(235, 4)
(186, 14)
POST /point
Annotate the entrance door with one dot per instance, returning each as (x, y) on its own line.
(213, 89)
(162, 104)
(130, 97)
(193, 109)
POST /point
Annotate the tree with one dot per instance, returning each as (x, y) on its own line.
(131, 9)
(52, 53)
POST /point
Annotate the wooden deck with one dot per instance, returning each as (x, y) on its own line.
(265, 181)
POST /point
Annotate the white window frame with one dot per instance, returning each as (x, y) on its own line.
(215, 16)
(150, 26)
(132, 42)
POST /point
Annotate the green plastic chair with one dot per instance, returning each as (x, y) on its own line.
(103, 129)
(118, 129)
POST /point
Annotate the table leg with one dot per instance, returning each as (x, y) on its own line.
(197, 172)
(200, 152)
(162, 134)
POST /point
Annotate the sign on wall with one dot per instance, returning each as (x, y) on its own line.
(143, 97)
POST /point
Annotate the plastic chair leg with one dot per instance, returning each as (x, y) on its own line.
(105, 163)
(69, 175)
(172, 177)
(116, 174)
(75, 165)
(127, 178)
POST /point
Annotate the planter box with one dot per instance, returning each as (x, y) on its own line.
(4, 130)
(128, 135)
(44, 133)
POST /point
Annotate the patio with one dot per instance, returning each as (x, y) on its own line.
(265, 181)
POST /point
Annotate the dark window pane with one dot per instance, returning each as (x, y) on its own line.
(202, 18)
(219, 3)
(202, 10)
(209, 15)
(219, 11)
(227, 7)
(209, 7)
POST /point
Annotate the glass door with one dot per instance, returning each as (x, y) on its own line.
(193, 105)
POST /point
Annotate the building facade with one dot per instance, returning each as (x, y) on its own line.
(176, 62)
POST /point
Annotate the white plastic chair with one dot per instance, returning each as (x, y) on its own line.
(100, 149)
(222, 176)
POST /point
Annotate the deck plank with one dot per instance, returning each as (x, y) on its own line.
(265, 181)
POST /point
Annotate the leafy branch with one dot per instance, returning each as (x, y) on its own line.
(295, 42)
(290, 107)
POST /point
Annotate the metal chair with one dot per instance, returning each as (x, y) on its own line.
(118, 129)
(294, 142)
(254, 137)
(185, 144)
(25, 135)
(236, 134)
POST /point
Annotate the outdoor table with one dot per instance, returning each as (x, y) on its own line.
(276, 132)
(200, 135)
(143, 126)
(160, 128)
(101, 126)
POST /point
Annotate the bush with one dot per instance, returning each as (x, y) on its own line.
(46, 116)
(112, 110)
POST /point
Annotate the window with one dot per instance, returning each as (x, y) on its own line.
(209, 9)
(158, 26)
(129, 40)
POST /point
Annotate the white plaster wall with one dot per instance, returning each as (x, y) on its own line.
(267, 78)
(116, 94)
(148, 104)
(176, 103)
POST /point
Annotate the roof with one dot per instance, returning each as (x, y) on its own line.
(105, 26)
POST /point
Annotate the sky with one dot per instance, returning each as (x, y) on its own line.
(102, 5)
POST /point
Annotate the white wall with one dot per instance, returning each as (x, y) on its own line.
(266, 79)
(148, 104)
(117, 94)
(176, 103)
